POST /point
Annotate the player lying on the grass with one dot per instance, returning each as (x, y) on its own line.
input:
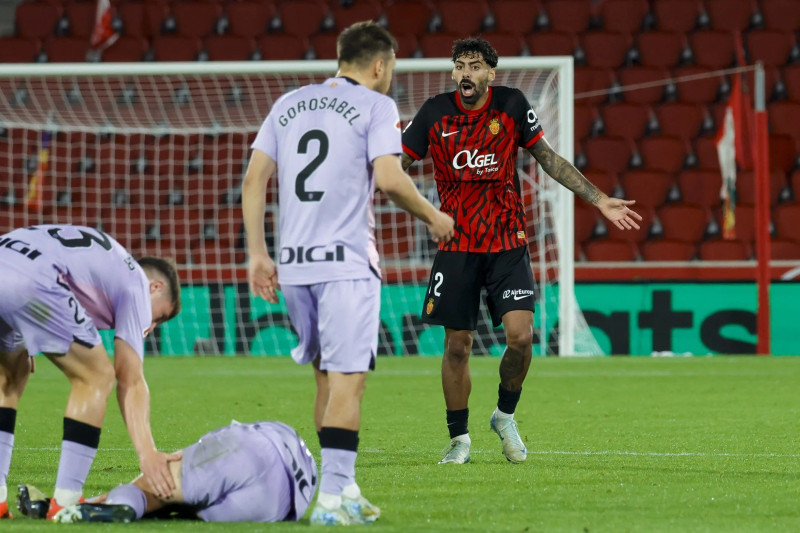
(59, 284)
(474, 134)
(260, 472)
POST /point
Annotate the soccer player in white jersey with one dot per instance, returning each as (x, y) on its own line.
(331, 144)
(58, 286)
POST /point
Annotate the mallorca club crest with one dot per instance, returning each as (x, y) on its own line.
(429, 307)
(494, 126)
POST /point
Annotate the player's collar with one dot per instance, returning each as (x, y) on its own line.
(350, 80)
(474, 111)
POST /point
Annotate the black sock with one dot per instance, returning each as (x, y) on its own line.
(8, 419)
(81, 433)
(341, 439)
(457, 422)
(507, 400)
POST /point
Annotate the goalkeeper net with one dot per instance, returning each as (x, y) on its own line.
(154, 154)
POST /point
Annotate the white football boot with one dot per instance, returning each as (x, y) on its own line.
(457, 452)
(506, 428)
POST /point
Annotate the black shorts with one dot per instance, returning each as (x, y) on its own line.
(454, 290)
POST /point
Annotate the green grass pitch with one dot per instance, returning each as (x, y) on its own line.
(615, 444)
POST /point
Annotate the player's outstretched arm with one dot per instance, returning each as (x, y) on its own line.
(614, 209)
(261, 274)
(133, 397)
(391, 179)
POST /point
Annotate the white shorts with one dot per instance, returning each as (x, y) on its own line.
(339, 320)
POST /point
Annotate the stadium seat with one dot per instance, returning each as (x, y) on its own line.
(506, 44)
(178, 251)
(633, 235)
(677, 15)
(782, 152)
(784, 118)
(787, 221)
(282, 46)
(626, 120)
(585, 221)
(552, 43)
(784, 250)
(705, 150)
(701, 187)
(228, 47)
(780, 15)
(713, 48)
(611, 154)
(603, 180)
(36, 20)
(249, 18)
(407, 45)
(126, 49)
(724, 250)
(623, 15)
(593, 80)
(730, 15)
(662, 49)
(438, 44)
(81, 17)
(771, 47)
(18, 216)
(126, 224)
(66, 49)
(668, 250)
(181, 225)
(515, 16)
(302, 18)
(72, 214)
(703, 90)
(411, 16)
(462, 16)
(610, 250)
(637, 75)
(585, 117)
(664, 152)
(132, 17)
(19, 49)
(648, 187)
(681, 119)
(175, 48)
(683, 222)
(324, 45)
(605, 49)
(571, 16)
(745, 221)
(195, 19)
(344, 15)
(791, 77)
(395, 232)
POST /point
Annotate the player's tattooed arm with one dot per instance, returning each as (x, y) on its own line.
(564, 172)
(406, 161)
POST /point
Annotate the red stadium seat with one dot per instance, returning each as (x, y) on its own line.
(680, 119)
(407, 45)
(610, 250)
(745, 221)
(787, 221)
(593, 80)
(462, 16)
(126, 49)
(713, 48)
(66, 49)
(72, 214)
(585, 117)
(195, 19)
(705, 149)
(36, 19)
(302, 18)
(637, 75)
(516, 16)
(228, 47)
(784, 118)
(346, 15)
(771, 47)
(175, 48)
(677, 15)
(81, 17)
(585, 221)
(552, 43)
(572, 16)
(648, 187)
(701, 187)
(623, 15)
(437, 44)
(702, 90)
(665, 152)
(668, 250)
(605, 49)
(662, 49)
(282, 46)
(730, 15)
(784, 250)
(324, 45)
(632, 235)
(782, 152)
(780, 15)
(626, 120)
(412, 16)
(683, 222)
(132, 16)
(181, 225)
(249, 18)
(608, 153)
(395, 232)
(791, 76)
(724, 250)
(127, 225)
(19, 49)
(18, 216)
(506, 44)
(603, 180)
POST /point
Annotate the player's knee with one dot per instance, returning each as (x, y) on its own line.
(458, 346)
(520, 339)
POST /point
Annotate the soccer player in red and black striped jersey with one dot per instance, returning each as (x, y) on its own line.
(473, 135)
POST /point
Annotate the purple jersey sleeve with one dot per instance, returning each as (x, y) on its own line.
(266, 140)
(383, 135)
(133, 318)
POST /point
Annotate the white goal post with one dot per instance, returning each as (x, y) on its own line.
(154, 154)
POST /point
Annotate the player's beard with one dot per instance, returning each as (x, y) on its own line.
(473, 91)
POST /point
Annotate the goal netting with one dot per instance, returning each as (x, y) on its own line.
(154, 154)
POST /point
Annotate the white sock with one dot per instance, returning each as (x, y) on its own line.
(3, 493)
(352, 491)
(463, 438)
(66, 497)
(329, 501)
(503, 416)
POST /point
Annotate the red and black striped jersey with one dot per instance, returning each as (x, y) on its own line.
(474, 156)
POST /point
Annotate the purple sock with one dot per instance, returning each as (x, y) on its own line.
(6, 447)
(73, 467)
(338, 470)
(129, 495)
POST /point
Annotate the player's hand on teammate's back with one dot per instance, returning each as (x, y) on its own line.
(263, 277)
(155, 468)
(618, 212)
(441, 227)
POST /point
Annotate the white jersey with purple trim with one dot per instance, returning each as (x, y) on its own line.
(324, 138)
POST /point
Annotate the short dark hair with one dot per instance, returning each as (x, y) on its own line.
(472, 46)
(167, 268)
(362, 41)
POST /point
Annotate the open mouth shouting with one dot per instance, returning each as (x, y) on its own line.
(467, 89)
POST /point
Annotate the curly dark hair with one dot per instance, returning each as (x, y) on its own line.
(472, 46)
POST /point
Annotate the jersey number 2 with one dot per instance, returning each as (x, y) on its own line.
(302, 148)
